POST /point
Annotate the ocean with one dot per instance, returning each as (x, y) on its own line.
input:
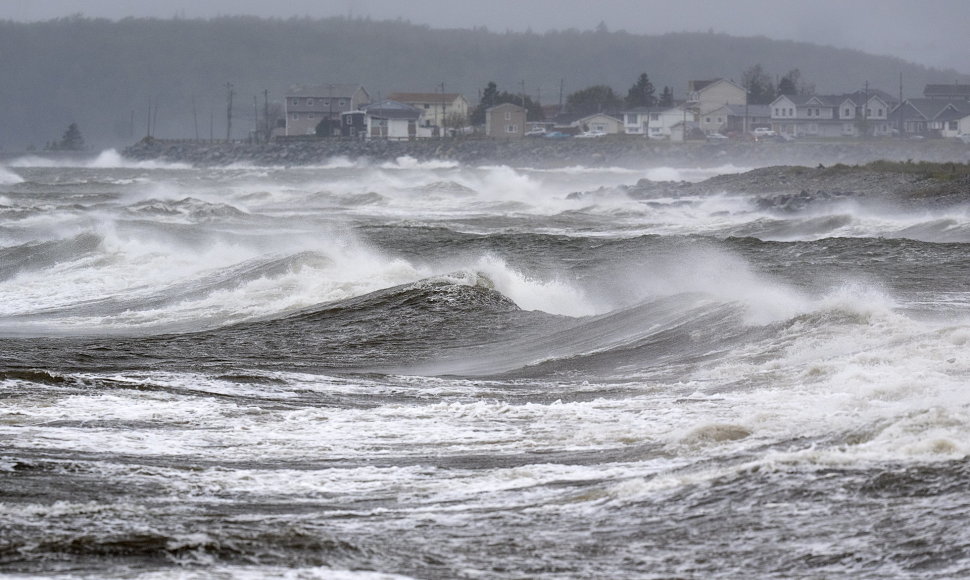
(366, 370)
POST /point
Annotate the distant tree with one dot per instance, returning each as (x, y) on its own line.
(491, 96)
(641, 94)
(666, 97)
(793, 84)
(71, 141)
(758, 83)
(595, 99)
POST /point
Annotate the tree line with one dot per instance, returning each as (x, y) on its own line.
(761, 88)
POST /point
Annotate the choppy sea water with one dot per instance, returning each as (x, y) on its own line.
(408, 370)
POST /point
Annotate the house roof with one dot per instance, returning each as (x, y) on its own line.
(445, 98)
(938, 109)
(389, 109)
(947, 91)
(694, 86)
(750, 110)
(506, 106)
(333, 91)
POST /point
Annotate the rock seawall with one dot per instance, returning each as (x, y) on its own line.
(620, 150)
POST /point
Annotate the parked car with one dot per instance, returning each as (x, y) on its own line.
(591, 135)
(716, 138)
(763, 132)
(557, 135)
(965, 137)
(536, 132)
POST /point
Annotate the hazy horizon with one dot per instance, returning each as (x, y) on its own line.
(925, 32)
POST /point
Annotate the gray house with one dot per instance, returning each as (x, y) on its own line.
(505, 121)
(307, 106)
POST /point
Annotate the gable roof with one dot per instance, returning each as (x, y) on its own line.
(938, 109)
(440, 98)
(333, 91)
(697, 86)
(947, 91)
(389, 109)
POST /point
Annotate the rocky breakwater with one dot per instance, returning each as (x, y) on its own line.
(794, 188)
(614, 150)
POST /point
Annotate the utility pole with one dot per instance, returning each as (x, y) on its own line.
(229, 93)
(148, 119)
(195, 118)
(255, 119)
(269, 130)
(562, 84)
(441, 124)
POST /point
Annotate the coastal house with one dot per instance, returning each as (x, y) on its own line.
(951, 92)
(505, 121)
(599, 123)
(845, 115)
(306, 107)
(706, 96)
(445, 110)
(736, 119)
(652, 122)
(930, 117)
(389, 119)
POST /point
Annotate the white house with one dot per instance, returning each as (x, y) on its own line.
(832, 115)
(654, 122)
(599, 122)
(389, 119)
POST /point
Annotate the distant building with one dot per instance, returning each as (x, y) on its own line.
(930, 116)
(440, 109)
(600, 123)
(307, 106)
(952, 92)
(389, 119)
(706, 96)
(653, 122)
(505, 121)
(847, 115)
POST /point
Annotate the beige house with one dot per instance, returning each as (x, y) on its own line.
(706, 96)
(307, 106)
(505, 121)
(440, 109)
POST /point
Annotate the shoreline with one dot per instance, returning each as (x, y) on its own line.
(616, 151)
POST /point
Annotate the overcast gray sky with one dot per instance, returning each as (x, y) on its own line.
(931, 32)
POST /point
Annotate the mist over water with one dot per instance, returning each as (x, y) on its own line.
(430, 370)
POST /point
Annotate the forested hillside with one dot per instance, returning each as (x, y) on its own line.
(107, 75)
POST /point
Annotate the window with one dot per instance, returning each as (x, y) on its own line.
(511, 128)
(868, 112)
(427, 106)
(879, 112)
(707, 120)
(953, 125)
(350, 120)
(295, 115)
(309, 102)
(791, 112)
(720, 119)
(508, 115)
(309, 115)
(654, 116)
(776, 112)
(847, 113)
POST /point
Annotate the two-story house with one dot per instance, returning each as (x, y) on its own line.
(930, 116)
(445, 110)
(306, 107)
(652, 122)
(706, 96)
(505, 121)
(848, 115)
